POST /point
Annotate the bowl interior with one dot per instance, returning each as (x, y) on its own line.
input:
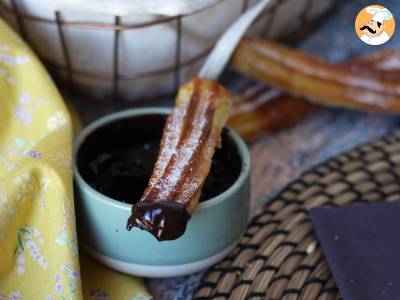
(116, 158)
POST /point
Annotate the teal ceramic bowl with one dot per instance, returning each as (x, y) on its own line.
(211, 234)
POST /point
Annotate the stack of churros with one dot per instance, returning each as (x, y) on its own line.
(294, 84)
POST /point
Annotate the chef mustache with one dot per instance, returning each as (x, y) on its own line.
(368, 28)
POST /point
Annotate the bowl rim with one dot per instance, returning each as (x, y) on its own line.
(240, 144)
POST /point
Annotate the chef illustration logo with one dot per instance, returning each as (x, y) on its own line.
(375, 25)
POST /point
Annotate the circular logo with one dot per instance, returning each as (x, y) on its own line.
(374, 25)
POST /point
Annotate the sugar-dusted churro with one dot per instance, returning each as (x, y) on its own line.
(305, 76)
(260, 108)
(191, 134)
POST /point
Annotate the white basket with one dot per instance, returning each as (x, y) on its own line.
(143, 54)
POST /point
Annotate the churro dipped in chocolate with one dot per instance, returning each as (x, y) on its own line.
(191, 134)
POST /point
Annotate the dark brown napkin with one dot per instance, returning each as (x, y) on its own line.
(362, 246)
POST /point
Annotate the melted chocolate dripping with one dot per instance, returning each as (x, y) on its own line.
(166, 220)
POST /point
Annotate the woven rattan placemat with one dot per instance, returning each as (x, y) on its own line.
(279, 256)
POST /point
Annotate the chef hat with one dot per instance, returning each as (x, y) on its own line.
(379, 14)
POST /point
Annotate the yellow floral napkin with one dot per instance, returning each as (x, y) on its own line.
(38, 242)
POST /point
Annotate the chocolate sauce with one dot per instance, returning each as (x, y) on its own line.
(117, 160)
(165, 220)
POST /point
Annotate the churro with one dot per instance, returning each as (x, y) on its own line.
(191, 134)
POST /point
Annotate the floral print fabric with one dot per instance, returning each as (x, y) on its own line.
(38, 243)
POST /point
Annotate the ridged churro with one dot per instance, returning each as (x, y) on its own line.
(260, 109)
(308, 77)
(191, 134)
